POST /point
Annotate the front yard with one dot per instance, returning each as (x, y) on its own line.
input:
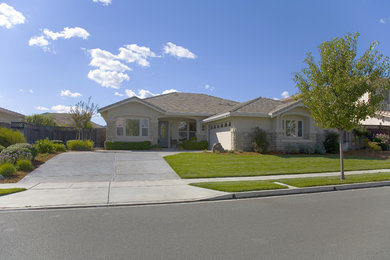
(208, 165)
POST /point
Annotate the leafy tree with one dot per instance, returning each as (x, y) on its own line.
(333, 89)
(82, 113)
(41, 120)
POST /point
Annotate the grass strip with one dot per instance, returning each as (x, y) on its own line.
(237, 186)
(207, 165)
(10, 191)
(335, 180)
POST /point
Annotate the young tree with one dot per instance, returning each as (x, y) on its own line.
(341, 89)
(82, 113)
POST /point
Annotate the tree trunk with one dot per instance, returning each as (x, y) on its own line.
(341, 138)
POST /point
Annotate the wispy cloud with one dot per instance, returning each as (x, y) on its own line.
(68, 93)
(61, 108)
(178, 51)
(104, 2)
(118, 94)
(285, 94)
(143, 93)
(44, 40)
(169, 91)
(29, 91)
(9, 17)
(383, 20)
(209, 88)
(40, 108)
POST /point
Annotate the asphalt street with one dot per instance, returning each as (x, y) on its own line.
(352, 224)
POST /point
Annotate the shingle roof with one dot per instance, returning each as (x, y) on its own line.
(65, 119)
(12, 113)
(257, 105)
(191, 103)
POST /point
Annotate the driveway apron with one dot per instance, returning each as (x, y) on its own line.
(98, 166)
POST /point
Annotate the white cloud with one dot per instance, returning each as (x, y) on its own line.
(169, 91)
(285, 94)
(61, 109)
(178, 51)
(208, 87)
(40, 108)
(108, 79)
(134, 53)
(31, 91)
(43, 40)
(106, 61)
(38, 41)
(68, 93)
(118, 94)
(9, 16)
(21, 90)
(382, 20)
(67, 33)
(104, 2)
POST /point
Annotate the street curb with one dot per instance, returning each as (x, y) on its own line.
(281, 192)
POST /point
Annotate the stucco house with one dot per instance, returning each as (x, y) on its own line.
(171, 118)
(8, 116)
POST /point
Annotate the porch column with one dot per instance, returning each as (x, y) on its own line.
(199, 135)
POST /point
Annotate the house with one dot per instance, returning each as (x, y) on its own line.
(8, 116)
(171, 118)
(65, 119)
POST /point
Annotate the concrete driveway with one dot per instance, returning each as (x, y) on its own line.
(102, 166)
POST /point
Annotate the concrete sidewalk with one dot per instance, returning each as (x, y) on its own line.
(84, 194)
(108, 193)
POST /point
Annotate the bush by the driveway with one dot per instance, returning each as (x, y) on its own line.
(12, 154)
(7, 169)
(80, 145)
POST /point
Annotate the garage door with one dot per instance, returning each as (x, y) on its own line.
(222, 136)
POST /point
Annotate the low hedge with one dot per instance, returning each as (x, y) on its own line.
(194, 145)
(80, 145)
(24, 165)
(108, 145)
(7, 170)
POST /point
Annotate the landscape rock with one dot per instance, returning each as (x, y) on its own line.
(218, 147)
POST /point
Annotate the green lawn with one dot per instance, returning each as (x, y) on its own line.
(335, 180)
(237, 186)
(205, 165)
(9, 191)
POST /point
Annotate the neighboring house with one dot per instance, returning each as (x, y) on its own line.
(65, 119)
(8, 116)
(171, 118)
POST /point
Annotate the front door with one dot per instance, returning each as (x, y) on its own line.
(163, 133)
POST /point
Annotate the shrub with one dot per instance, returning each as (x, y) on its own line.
(194, 145)
(57, 141)
(306, 148)
(319, 149)
(383, 141)
(59, 147)
(9, 137)
(41, 120)
(1, 148)
(291, 149)
(260, 143)
(24, 165)
(155, 147)
(331, 143)
(7, 170)
(373, 146)
(361, 132)
(12, 154)
(108, 145)
(33, 150)
(80, 145)
(45, 146)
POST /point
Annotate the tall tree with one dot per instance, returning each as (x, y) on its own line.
(342, 89)
(82, 114)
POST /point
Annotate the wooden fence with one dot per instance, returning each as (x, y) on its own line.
(32, 133)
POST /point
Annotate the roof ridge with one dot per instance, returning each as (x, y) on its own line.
(11, 112)
(246, 103)
(192, 94)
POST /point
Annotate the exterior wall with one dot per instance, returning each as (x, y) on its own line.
(131, 110)
(242, 131)
(7, 118)
(220, 131)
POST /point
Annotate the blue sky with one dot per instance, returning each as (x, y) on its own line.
(55, 53)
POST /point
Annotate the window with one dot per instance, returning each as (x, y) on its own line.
(294, 128)
(187, 130)
(145, 127)
(132, 127)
